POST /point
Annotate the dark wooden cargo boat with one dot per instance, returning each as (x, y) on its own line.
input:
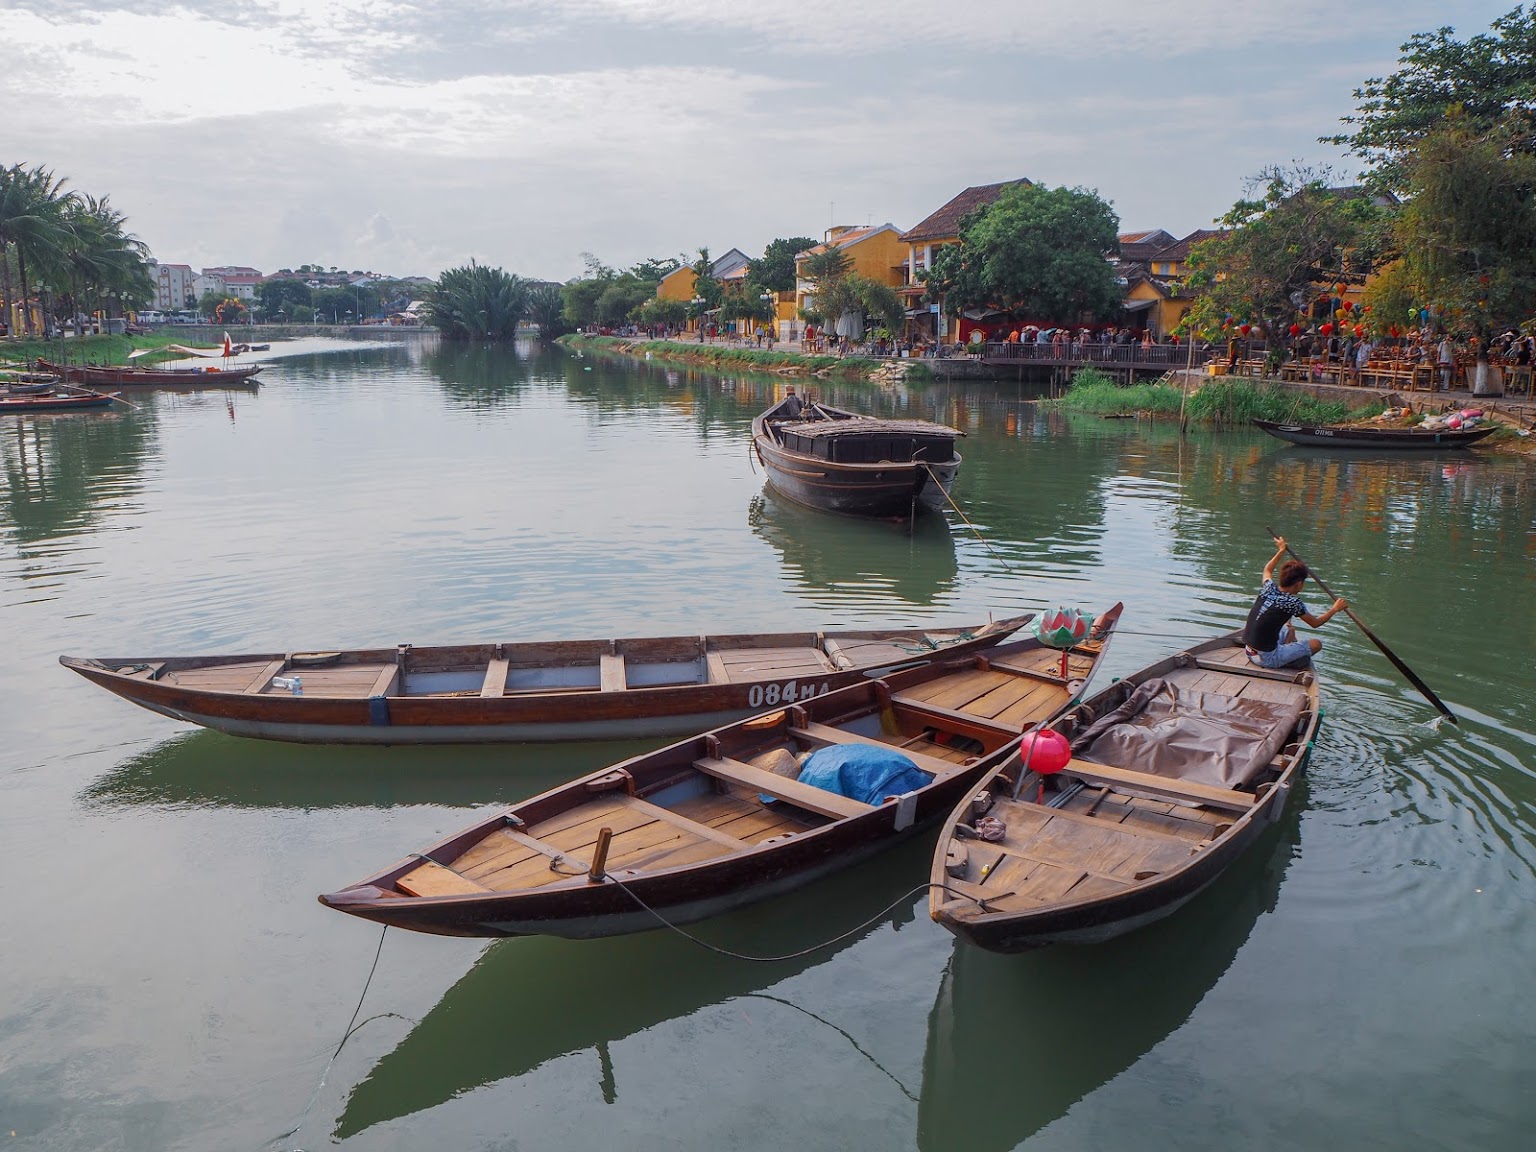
(728, 818)
(1339, 436)
(201, 376)
(1176, 770)
(840, 461)
(534, 691)
(58, 399)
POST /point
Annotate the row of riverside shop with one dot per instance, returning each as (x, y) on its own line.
(1151, 265)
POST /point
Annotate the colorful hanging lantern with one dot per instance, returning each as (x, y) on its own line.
(1062, 627)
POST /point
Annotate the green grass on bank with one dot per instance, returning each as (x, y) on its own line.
(1223, 402)
(90, 349)
(730, 356)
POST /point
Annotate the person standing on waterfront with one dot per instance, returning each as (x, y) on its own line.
(1269, 637)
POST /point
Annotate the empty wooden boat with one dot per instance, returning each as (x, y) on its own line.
(840, 461)
(1174, 772)
(733, 816)
(1343, 436)
(199, 376)
(533, 691)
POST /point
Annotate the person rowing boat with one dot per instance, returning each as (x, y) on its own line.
(1269, 637)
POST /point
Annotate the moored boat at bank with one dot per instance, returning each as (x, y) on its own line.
(839, 461)
(199, 376)
(1346, 436)
(532, 691)
(736, 815)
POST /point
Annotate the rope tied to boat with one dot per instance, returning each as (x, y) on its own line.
(803, 952)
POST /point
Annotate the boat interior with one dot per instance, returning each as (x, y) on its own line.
(730, 792)
(518, 669)
(1098, 827)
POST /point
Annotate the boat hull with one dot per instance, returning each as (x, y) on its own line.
(1391, 439)
(444, 703)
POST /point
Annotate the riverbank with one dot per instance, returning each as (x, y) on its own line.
(723, 356)
(1231, 401)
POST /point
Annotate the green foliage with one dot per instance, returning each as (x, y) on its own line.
(475, 302)
(1468, 234)
(1222, 402)
(1489, 81)
(775, 271)
(1282, 248)
(546, 308)
(283, 296)
(1035, 253)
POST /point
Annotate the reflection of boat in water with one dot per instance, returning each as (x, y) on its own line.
(1015, 1041)
(527, 1002)
(204, 769)
(867, 561)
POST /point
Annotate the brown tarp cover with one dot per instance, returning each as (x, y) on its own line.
(1166, 731)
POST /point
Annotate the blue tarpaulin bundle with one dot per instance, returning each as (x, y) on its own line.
(863, 772)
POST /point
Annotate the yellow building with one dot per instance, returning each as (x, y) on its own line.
(924, 239)
(875, 252)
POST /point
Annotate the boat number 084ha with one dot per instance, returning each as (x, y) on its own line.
(767, 695)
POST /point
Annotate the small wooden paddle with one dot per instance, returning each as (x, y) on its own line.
(1397, 661)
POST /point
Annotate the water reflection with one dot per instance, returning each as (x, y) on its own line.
(1015, 1041)
(529, 1001)
(206, 769)
(843, 560)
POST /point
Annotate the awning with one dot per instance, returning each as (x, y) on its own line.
(1138, 305)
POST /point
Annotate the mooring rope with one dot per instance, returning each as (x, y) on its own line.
(352, 1027)
(838, 939)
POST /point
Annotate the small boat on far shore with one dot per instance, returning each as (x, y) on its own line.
(100, 375)
(839, 461)
(54, 398)
(1344, 436)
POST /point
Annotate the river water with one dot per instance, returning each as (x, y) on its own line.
(1361, 980)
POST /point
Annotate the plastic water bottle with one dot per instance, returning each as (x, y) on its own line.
(292, 683)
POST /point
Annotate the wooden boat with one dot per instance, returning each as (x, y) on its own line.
(839, 461)
(57, 399)
(1175, 771)
(535, 691)
(1339, 436)
(201, 376)
(730, 817)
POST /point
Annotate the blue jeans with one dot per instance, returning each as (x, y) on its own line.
(1283, 656)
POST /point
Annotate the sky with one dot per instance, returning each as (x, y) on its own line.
(409, 136)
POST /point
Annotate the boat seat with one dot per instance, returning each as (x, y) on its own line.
(1161, 786)
(806, 796)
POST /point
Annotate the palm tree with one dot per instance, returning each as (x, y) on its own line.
(477, 303)
(31, 210)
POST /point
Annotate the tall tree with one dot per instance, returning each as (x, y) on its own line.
(31, 226)
(1283, 247)
(1488, 80)
(775, 269)
(475, 302)
(1035, 253)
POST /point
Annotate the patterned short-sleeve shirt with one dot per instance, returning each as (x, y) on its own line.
(1272, 610)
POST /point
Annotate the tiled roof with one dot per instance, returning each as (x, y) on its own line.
(946, 221)
(849, 238)
(1179, 249)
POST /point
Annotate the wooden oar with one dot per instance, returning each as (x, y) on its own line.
(1397, 661)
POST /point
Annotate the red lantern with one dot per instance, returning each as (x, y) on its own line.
(1046, 752)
